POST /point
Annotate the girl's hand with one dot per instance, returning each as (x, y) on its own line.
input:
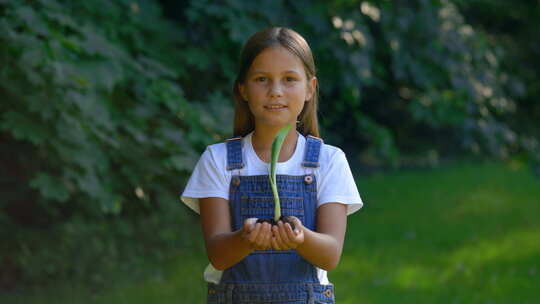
(257, 235)
(285, 238)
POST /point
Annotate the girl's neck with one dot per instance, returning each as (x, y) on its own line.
(262, 144)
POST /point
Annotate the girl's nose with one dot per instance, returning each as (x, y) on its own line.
(276, 90)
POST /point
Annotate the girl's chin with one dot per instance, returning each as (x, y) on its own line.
(276, 124)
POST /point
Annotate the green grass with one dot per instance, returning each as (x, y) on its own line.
(463, 234)
(468, 234)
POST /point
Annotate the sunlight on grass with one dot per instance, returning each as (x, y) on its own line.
(467, 261)
(513, 246)
(415, 277)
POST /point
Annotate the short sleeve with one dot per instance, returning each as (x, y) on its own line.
(337, 185)
(207, 180)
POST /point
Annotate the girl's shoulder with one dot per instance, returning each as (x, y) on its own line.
(330, 153)
(217, 152)
(215, 155)
(327, 151)
(217, 147)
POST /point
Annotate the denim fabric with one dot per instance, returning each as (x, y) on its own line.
(234, 154)
(313, 149)
(272, 276)
(288, 293)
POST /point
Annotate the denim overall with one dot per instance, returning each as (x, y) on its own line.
(272, 276)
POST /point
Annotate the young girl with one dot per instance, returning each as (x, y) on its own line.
(255, 262)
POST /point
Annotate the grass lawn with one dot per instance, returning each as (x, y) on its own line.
(462, 234)
(468, 234)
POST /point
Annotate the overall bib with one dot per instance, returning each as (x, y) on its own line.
(272, 276)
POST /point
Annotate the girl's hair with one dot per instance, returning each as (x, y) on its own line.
(244, 121)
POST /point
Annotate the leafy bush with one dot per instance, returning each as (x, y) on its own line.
(97, 134)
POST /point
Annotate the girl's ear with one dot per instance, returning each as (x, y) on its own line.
(311, 88)
(242, 89)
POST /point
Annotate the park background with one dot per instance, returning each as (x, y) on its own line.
(107, 105)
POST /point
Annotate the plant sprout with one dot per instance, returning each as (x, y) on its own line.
(276, 148)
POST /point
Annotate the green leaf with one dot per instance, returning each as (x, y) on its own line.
(24, 127)
(111, 205)
(50, 187)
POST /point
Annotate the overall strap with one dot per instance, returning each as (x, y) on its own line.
(313, 149)
(234, 153)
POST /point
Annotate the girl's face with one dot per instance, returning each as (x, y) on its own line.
(276, 88)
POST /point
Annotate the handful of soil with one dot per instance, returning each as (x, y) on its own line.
(284, 219)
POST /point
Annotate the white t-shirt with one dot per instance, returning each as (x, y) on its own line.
(210, 178)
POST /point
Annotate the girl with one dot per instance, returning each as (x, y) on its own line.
(254, 262)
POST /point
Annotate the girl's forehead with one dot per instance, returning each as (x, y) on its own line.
(276, 58)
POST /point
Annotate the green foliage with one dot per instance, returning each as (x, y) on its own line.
(93, 90)
(513, 26)
(422, 70)
(399, 74)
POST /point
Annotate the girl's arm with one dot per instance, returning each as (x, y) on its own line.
(224, 247)
(323, 247)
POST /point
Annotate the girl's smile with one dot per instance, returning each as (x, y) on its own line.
(275, 107)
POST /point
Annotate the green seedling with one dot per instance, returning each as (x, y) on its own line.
(276, 149)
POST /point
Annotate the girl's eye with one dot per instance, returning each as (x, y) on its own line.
(260, 79)
(289, 79)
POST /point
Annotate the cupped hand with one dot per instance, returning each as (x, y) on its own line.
(257, 235)
(285, 238)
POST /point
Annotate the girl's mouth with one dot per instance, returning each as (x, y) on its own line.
(275, 107)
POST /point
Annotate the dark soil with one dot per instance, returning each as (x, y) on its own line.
(284, 219)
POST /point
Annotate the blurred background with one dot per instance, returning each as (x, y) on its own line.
(106, 106)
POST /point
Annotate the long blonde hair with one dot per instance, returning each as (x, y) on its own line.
(244, 121)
